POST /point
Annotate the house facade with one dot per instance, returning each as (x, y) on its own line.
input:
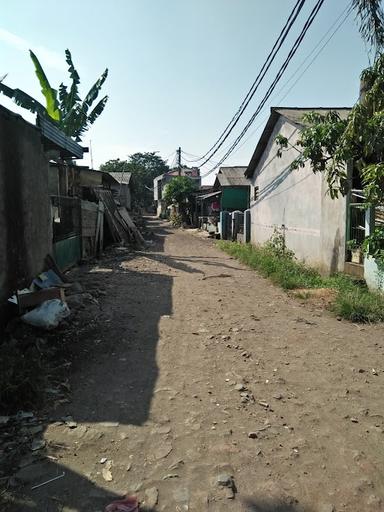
(295, 201)
(234, 187)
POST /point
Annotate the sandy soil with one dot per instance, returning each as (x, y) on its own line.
(206, 388)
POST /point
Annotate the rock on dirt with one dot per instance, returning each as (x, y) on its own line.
(151, 497)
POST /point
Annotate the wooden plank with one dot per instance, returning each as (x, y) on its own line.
(99, 228)
(132, 226)
(101, 239)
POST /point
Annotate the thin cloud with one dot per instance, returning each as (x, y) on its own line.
(47, 57)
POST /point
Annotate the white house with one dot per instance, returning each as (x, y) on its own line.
(315, 226)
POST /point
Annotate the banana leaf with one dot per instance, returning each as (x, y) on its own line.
(94, 91)
(73, 95)
(22, 99)
(63, 97)
(97, 110)
(49, 93)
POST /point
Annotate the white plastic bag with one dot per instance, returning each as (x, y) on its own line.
(48, 315)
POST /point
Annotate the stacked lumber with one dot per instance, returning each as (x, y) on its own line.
(120, 224)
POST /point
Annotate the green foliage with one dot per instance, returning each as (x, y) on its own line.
(353, 300)
(283, 269)
(176, 219)
(276, 244)
(353, 244)
(328, 143)
(144, 168)
(23, 99)
(374, 245)
(359, 305)
(371, 17)
(179, 190)
(319, 139)
(72, 115)
(49, 93)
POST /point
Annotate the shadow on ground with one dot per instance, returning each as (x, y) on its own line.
(115, 385)
(272, 505)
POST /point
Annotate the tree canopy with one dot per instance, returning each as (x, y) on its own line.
(328, 143)
(179, 190)
(144, 168)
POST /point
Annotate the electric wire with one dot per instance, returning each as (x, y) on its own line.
(267, 64)
(276, 80)
(346, 13)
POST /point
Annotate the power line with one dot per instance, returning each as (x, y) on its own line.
(276, 80)
(267, 64)
(346, 13)
(192, 161)
(170, 154)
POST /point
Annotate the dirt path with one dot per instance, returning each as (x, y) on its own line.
(193, 354)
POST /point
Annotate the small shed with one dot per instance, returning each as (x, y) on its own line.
(121, 187)
(234, 187)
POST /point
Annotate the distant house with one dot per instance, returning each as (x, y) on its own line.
(122, 188)
(234, 187)
(161, 181)
(315, 226)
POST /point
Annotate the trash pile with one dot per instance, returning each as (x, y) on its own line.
(43, 304)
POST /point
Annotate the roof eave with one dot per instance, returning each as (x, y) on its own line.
(262, 143)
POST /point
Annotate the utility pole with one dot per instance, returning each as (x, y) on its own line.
(178, 151)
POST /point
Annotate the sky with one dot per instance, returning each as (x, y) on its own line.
(179, 69)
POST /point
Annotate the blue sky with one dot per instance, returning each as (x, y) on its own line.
(178, 69)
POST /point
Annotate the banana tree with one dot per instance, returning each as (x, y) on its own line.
(65, 107)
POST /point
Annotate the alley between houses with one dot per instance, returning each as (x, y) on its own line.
(201, 386)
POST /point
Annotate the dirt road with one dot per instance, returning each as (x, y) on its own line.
(207, 388)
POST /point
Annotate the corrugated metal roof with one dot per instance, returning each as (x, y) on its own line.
(293, 115)
(54, 135)
(232, 176)
(121, 177)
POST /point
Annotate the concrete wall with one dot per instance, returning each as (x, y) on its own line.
(315, 225)
(25, 226)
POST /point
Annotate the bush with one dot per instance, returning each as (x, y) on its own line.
(176, 219)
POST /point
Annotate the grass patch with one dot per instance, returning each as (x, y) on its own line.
(284, 271)
(359, 305)
(353, 300)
